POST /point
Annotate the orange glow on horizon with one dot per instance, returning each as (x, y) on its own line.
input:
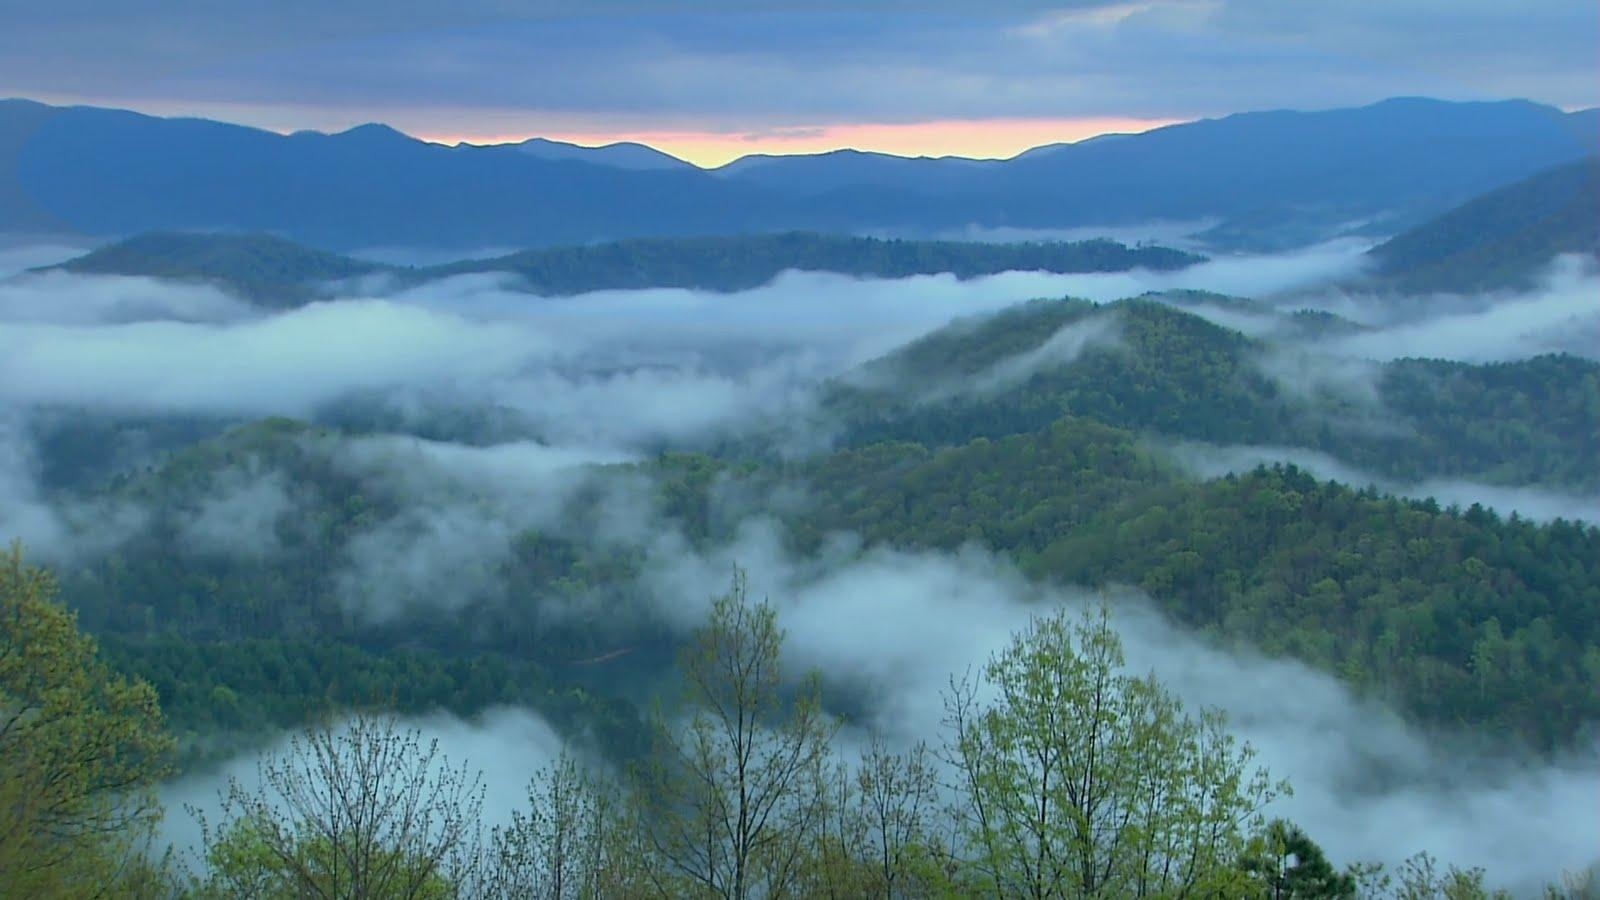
(978, 139)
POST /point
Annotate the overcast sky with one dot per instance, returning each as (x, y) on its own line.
(781, 75)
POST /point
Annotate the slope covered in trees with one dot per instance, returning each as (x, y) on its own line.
(1501, 240)
(738, 263)
(1460, 617)
(274, 272)
(261, 268)
(1147, 366)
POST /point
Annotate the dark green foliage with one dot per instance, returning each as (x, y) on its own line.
(740, 263)
(247, 641)
(1161, 370)
(1461, 617)
(275, 272)
(1529, 421)
(1291, 866)
(261, 268)
(223, 696)
(1502, 239)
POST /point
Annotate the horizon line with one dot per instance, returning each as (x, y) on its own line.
(955, 139)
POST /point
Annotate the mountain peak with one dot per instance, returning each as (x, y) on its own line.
(374, 132)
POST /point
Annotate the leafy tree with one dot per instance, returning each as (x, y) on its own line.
(901, 820)
(1290, 866)
(1079, 780)
(366, 810)
(730, 799)
(81, 750)
(578, 841)
(1419, 878)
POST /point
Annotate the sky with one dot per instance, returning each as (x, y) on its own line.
(714, 79)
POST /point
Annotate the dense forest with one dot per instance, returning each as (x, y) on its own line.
(1149, 366)
(1501, 240)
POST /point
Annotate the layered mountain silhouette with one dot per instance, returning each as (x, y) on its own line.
(111, 173)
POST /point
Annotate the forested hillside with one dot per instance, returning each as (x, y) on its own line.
(1147, 366)
(1501, 240)
(274, 272)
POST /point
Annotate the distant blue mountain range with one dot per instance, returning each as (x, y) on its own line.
(110, 173)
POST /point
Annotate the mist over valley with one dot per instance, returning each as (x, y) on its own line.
(1246, 469)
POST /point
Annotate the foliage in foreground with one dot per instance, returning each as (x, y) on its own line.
(1058, 775)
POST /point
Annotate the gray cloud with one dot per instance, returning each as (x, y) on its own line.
(60, 298)
(240, 512)
(726, 65)
(460, 510)
(613, 369)
(19, 255)
(1560, 316)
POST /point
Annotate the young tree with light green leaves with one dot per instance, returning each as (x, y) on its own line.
(363, 811)
(579, 840)
(81, 752)
(730, 801)
(1080, 780)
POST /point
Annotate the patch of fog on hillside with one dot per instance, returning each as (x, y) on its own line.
(609, 367)
(460, 510)
(1561, 315)
(67, 299)
(18, 255)
(238, 516)
(892, 627)
(1533, 503)
(53, 531)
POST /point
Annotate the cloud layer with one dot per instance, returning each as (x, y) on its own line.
(561, 65)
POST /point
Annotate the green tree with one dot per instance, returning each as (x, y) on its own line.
(1079, 780)
(1290, 866)
(81, 750)
(731, 798)
(366, 810)
(577, 841)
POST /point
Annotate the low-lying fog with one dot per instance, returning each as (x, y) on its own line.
(606, 376)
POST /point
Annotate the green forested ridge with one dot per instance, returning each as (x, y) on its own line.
(1460, 617)
(1165, 371)
(1502, 239)
(275, 272)
(739, 263)
(252, 641)
(263, 269)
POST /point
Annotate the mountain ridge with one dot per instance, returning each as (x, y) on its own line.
(113, 173)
